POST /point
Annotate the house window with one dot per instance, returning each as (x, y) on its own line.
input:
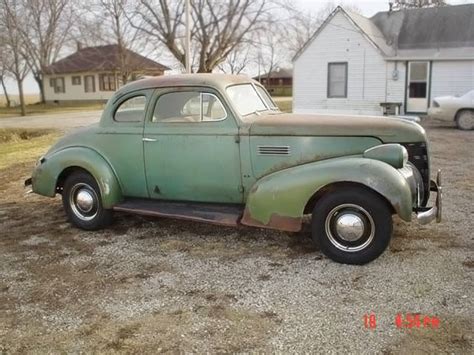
(89, 83)
(58, 85)
(337, 80)
(76, 80)
(107, 82)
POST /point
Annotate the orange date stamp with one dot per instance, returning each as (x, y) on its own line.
(405, 321)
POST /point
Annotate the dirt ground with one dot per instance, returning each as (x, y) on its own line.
(149, 285)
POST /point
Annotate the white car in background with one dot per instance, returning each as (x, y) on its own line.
(455, 108)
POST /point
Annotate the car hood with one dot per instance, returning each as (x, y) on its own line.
(387, 129)
(445, 98)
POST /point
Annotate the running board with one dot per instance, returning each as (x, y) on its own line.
(221, 214)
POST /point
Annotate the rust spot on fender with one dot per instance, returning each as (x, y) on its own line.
(289, 224)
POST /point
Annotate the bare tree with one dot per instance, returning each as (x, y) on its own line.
(237, 60)
(413, 4)
(45, 26)
(3, 75)
(300, 25)
(105, 22)
(13, 42)
(5, 63)
(219, 27)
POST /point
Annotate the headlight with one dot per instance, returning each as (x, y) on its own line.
(404, 156)
(393, 154)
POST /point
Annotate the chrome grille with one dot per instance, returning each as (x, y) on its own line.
(274, 150)
(418, 156)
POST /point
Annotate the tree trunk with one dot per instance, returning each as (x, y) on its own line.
(203, 69)
(39, 81)
(7, 98)
(22, 96)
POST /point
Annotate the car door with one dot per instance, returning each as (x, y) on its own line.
(191, 148)
(121, 140)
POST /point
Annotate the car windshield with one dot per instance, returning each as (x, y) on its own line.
(266, 97)
(246, 100)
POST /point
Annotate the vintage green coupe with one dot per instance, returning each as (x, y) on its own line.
(216, 148)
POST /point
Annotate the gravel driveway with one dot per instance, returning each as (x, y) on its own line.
(151, 285)
(60, 121)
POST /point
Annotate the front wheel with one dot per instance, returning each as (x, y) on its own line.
(352, 225)
(82, 202)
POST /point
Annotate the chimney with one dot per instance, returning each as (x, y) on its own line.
(78, 45)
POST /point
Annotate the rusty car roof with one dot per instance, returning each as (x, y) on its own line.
(218, 81)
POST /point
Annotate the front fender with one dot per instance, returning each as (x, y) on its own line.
(46, 174)
(278, 200)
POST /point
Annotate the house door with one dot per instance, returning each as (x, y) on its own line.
(418, 87)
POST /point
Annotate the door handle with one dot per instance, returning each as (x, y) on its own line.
(145, 139)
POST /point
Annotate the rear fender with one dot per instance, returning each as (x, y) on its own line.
(278, 200)
(46, 174)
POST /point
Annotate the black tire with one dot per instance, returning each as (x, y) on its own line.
(352, 225)
(79, 188)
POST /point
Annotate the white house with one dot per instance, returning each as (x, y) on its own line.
(353, 64)
(93, 74)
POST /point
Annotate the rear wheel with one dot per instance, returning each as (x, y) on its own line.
(352, 225)
(83, 204)
(465, 120)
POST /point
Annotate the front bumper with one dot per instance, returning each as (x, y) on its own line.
(426, 215)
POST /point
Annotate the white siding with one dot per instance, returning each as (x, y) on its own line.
(451, 78)
(369, 75)
(396, 85)
(74, 92)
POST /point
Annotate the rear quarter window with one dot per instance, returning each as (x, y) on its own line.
(131, 110)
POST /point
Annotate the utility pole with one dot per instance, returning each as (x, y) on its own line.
(188, 37)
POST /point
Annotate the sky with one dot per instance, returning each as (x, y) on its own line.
(367, 7)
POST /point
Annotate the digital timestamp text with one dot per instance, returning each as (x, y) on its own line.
(405, 321)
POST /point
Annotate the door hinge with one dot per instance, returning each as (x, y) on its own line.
(237, 139)
(241, 188)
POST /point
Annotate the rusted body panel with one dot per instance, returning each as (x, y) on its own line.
(46, 175)
(386, 129)
(224, 215)
(283, 195)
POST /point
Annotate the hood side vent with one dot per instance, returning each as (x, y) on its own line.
(274, 150)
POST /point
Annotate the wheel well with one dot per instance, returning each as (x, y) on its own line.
(461, 110)
(65, 174)
(335, 186)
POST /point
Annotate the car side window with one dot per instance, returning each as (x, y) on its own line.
(131, 110)
(212, 108)
(188, 106)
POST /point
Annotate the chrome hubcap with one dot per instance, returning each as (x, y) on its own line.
(83, 201)
(350, 227)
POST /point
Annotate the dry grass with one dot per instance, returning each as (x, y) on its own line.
(20, 145)
(15, 99)
(39, 109)
(285, 104)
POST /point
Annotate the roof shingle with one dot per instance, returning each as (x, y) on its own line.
(103, 58)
